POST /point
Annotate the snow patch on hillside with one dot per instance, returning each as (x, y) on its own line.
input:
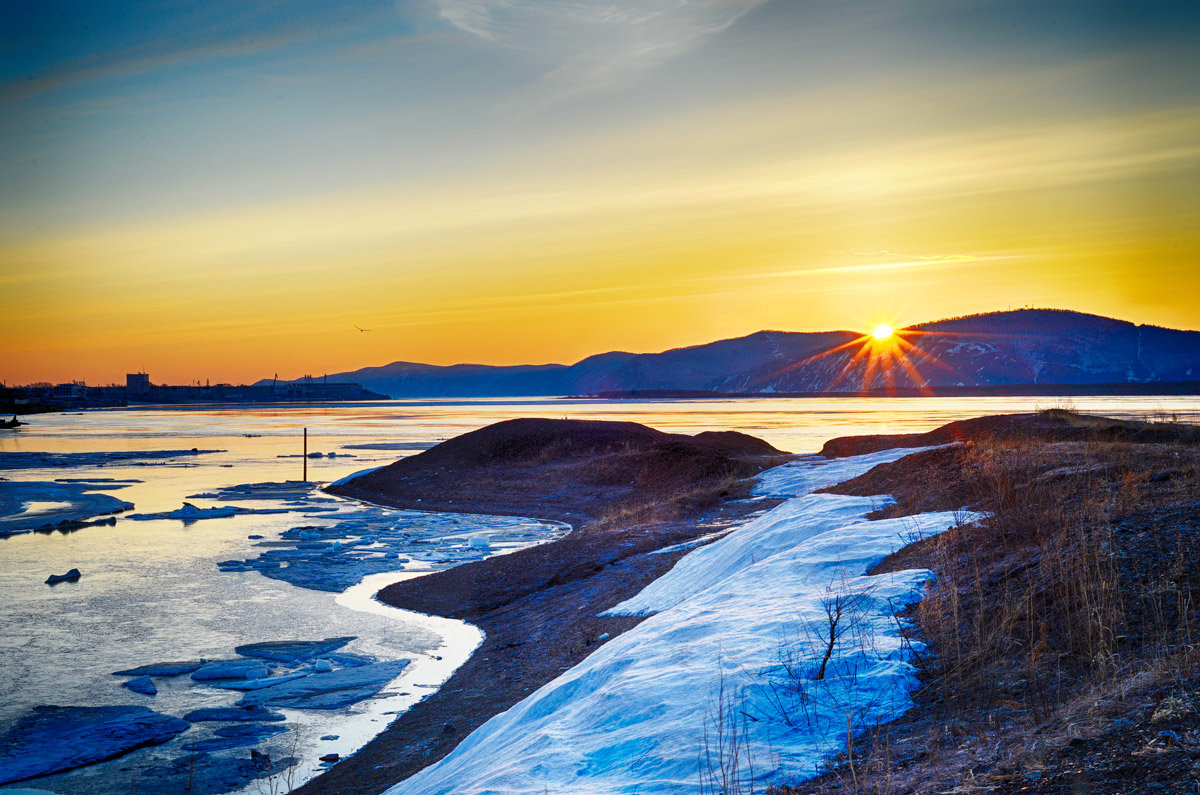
(737, 647)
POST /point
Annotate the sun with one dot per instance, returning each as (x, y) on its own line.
(882, 332)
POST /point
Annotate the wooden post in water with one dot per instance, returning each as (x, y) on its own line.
(306, 455)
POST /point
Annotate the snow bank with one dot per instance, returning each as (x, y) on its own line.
(358, 474)
(784, 528)
(736, 645)
(817, 472)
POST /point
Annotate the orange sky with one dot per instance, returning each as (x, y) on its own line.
(469, 197)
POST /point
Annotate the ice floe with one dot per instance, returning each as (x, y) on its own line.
(288, 490)
(259, 684)
(190, 513)
(734, 644)
(317, 455)
(231, 669)
(293, 651)
(332, 690)
(50, 739)
(28, 505)
(205, 714)
(371, 540)
(142, 684)
(162, 669)
(415, 447)
(31, 460)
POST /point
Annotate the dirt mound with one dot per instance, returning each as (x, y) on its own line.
(572, 470)
(1047, 426)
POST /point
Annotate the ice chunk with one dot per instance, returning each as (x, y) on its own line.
(232, 713)
(257, 684)
(162, 669)
(71, 576)
(348, 660)
(329, 690)
(231, 669)
(287, 490)
(292, 651)
(26, 505)
(51, 739)
(141, 684)
(190, 513)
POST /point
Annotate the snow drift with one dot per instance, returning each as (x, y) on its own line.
(733, 669)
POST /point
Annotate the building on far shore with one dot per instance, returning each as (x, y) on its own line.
(73, 390)
(137, 384)
(36, 398)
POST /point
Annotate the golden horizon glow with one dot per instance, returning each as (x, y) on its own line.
(468, 205)
(882, 332)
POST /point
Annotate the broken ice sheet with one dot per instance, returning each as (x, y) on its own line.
(28, 505)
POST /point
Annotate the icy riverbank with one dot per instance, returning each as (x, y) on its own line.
(737, 647)
(173, 593)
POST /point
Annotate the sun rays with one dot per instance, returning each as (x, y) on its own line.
(883, 360)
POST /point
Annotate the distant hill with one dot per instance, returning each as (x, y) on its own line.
(996, 349)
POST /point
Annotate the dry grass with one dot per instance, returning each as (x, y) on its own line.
(673, 504)
(1072, 608)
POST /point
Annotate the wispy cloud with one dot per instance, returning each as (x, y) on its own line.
(123, 64)
(178, 39)
(591, 46)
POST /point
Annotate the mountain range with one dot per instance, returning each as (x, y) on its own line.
(995, 349)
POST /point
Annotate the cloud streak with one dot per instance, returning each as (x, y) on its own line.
(221, 32)
(588, 46)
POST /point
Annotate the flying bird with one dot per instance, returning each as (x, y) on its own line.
(360, 328)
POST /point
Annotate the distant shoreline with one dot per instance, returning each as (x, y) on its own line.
(1166, 388)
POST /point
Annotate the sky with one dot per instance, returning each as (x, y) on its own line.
(226, 190)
